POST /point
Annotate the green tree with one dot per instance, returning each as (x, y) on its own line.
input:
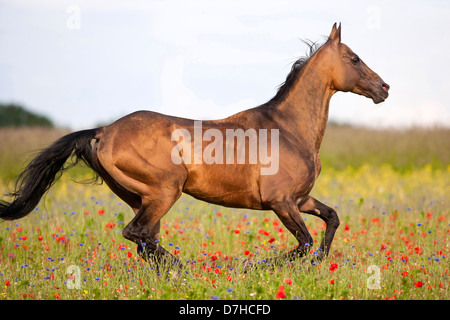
(17, 116)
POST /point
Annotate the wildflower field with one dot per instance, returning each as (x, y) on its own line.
(390, 189)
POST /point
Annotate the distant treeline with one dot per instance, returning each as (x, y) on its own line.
(13, 115)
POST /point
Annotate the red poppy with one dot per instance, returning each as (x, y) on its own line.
(418, 284)
(280, 293)
(332, 281)
(110, 225)
(288, 281)
(333, 266)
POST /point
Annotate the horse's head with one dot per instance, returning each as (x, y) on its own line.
(350, 73)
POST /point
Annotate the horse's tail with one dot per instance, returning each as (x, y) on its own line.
(45, 169)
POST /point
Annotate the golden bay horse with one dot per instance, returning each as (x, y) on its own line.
(149, 159)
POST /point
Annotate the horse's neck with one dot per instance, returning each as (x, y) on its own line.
(306, 105)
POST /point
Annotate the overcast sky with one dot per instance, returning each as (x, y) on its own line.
(87, 62)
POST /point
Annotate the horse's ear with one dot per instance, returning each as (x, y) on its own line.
(335, 35)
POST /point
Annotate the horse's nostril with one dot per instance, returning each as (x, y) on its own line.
(385, 87)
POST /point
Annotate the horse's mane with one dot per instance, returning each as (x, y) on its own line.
(293, 75)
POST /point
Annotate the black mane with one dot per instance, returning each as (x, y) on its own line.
(297, 67)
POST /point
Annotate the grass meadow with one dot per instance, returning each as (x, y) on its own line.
(390, 188)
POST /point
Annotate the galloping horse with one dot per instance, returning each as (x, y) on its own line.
(134, 155)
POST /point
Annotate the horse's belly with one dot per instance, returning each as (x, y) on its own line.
(226, 185)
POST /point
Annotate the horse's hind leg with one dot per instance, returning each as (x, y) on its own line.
(130, 198)
(144, 228)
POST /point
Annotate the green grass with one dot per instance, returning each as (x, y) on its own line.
(394, 217)
(404, 150)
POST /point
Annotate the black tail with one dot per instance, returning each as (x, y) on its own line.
(44, 170)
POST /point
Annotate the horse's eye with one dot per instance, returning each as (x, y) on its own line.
(355, 60)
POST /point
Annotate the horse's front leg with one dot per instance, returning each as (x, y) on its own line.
(327, 214)
(288, 213)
